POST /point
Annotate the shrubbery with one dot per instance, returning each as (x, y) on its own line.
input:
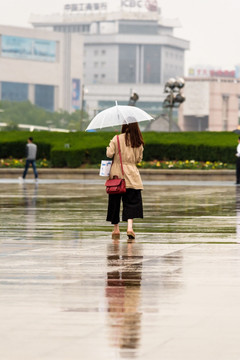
(75, 149)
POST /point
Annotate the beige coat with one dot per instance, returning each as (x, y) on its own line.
(130, 157)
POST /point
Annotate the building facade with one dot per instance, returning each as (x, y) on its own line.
(41, 66)
(211, 104)
(127, 46)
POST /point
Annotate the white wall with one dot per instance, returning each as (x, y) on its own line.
(100, 60)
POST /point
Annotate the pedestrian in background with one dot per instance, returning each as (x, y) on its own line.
(31, 152)
(131, 146)
(238, 163)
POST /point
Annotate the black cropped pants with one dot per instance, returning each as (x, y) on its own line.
(132, 206)
(238, 170)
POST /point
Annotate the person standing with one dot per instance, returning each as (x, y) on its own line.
(131, 146)
(238, 163)
(31, 151)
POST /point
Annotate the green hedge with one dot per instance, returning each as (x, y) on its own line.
(17, 149)
(91, 147)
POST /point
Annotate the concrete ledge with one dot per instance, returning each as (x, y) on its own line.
(147, 174)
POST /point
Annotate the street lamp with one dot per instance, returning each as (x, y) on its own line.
(84, 91)
(173, 88)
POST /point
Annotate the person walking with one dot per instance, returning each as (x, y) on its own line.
(131, 146)
(31, 150)
(238, 163)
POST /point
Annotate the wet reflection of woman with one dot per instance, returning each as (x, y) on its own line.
(123, 293)
(131, 145)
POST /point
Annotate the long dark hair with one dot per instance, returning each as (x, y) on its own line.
(133, 135)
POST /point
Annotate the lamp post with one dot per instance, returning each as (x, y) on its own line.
(84, 91)
(82, 107)
(173, 89)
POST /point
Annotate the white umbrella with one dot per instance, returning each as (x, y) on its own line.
(118, 115)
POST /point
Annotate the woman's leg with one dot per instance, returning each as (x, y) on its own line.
(114, 202)
(132, 208)
(116, 229)
(130, 225)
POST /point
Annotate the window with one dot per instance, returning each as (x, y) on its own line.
(152, 64)
(14, 91)
(127, 63)
(103, 76)
(103, 52)
(44, 96)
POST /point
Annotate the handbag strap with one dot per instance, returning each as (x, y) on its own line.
(120, 155)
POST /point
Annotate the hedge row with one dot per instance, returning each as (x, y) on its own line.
(17, 149)
(75, 149)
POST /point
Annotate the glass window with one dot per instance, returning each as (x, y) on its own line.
(14, 91)
(138, 28)
(127, 64)
(152, 64)
(44, 96)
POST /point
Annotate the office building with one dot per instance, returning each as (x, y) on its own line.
(44, 67)
(211, 104)
(128, 46)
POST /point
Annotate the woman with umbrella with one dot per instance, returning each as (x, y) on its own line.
(131, 146)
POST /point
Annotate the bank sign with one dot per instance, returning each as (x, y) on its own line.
(112, 6)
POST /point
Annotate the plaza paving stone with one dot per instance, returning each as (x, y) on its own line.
(68, 291)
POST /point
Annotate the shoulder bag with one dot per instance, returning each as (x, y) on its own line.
(116, 185)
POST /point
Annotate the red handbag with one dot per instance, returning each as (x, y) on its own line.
(116, 185)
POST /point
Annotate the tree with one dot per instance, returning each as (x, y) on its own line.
(27, 113)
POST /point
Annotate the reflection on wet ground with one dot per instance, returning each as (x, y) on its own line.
(68, 291)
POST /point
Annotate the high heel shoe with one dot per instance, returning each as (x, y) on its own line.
(131, 234)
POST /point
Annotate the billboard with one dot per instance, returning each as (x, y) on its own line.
(93, 6)
(202, 71)
(30, 49)
(76, 94)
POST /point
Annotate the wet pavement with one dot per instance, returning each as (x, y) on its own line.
(68, 291)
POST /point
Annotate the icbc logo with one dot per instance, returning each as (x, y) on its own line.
(152, 5)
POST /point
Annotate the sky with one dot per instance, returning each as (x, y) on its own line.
(211, 26)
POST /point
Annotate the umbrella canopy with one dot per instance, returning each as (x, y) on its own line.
(118, 115)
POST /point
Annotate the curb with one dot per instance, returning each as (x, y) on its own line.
(146, 174)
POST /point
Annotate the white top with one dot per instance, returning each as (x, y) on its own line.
(238, 151)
